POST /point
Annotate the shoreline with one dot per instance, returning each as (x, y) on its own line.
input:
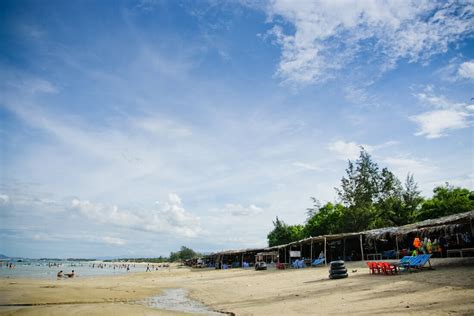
(449, 288)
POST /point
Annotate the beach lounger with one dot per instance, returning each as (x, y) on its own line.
(415, 262)
(318, 262)
(421, 261)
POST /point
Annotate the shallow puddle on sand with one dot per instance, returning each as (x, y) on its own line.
(178, 300)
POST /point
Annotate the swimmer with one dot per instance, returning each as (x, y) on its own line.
(70, 275)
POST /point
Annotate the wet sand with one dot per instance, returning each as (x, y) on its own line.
(447, 290)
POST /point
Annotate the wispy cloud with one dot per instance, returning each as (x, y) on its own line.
(330, 35)
(403, 165)
(239, 210)
(307, 166)
(466, 70)
(168, 217)
(347, 150)
(4, 199)
(447, 115)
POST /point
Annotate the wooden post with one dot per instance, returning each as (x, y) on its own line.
(242, 260)
(285, 255)
(361, 247)
(311, 256)
(472, 229)
(325, 257)
(396, 243)
(344, 249)
(301, 251)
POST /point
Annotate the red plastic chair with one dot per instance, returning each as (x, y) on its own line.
(388, 268)
(374, 267)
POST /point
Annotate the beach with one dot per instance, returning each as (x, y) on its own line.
(448, 289)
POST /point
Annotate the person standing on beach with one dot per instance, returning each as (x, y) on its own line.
(148, 268)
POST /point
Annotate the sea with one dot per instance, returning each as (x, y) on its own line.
(35, 268)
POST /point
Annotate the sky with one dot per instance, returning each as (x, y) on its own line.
(131, 128)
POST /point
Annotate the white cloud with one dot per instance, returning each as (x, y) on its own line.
(447, 115)
(307, 166)
(239, 210)
(434, 124)
(114, 241)
(466, 70)
(329, 35)
(347, 150)
(162, 126)
(169, 218)
(405, 165)
(4, 199)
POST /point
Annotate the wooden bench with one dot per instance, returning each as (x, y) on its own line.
(460, 251)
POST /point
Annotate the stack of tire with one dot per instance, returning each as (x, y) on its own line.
(337, 270)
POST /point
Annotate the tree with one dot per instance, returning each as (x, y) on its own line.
(388, 205)
(361, 186)
(187, 253)
(284, 234)
(359, 191)
(311, 211)
(327, 220)
(412, 200)
(447, 200)
(184, 253)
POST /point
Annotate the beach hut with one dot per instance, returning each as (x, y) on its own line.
(375, 244)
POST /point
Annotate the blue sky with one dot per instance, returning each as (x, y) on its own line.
(134, 127)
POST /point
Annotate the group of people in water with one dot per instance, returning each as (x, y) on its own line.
(61, 274)
(8, 265)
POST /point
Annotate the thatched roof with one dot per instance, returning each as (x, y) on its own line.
(442, 224)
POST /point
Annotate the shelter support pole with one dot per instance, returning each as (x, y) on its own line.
(301, 250)
(375, 244)
(396, 243)
(311, 255)
(325, 256)
(361, 247)
(242, 261)
(285, 255)
(344, 249)
(472, 229)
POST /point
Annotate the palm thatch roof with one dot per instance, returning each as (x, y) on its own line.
(443, 224)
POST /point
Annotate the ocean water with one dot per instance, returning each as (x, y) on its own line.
(47, 270)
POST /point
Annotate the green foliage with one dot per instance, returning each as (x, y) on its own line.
(372, 198)
(328, 219)
(284, 234)
(184, 253)
(361, 186)
(447, 200)
(412, 200)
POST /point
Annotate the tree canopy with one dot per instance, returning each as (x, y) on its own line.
(184, 253)
(370, 197)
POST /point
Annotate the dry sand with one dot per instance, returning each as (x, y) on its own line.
(447, 290)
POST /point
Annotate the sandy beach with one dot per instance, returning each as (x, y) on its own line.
(446, 290)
